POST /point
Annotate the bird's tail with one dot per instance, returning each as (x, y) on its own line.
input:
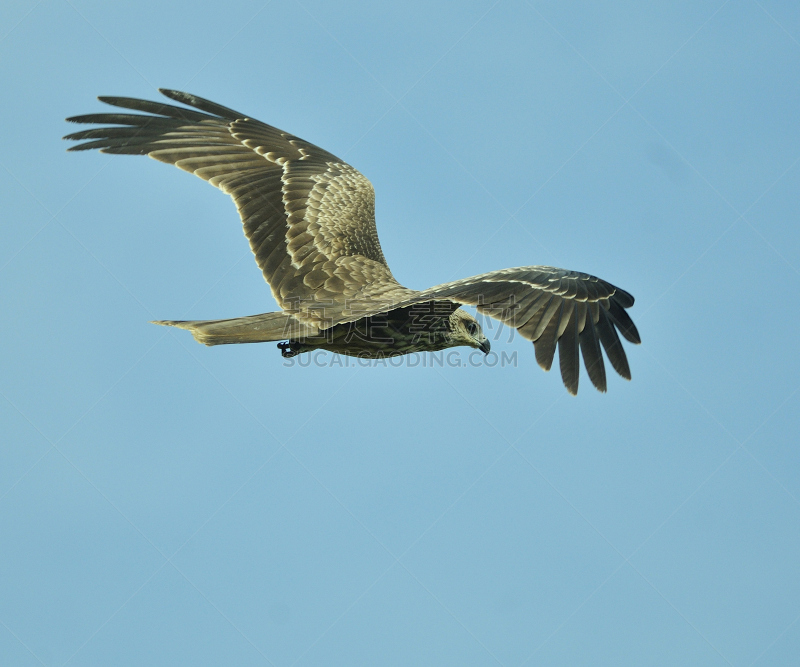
(252, 329)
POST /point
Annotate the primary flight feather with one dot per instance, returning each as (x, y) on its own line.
(310, 221)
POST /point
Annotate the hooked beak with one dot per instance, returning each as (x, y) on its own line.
(485, 346)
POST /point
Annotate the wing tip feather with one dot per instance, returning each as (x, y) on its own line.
(625, 299)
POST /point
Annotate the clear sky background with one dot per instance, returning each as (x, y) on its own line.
(163, 503)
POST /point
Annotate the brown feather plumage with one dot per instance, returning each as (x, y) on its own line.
(310, 221)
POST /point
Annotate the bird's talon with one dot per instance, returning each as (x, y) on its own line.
(289, 350)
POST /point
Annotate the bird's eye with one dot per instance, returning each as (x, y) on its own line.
(472, 328)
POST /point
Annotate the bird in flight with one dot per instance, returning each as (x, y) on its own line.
(310, 221)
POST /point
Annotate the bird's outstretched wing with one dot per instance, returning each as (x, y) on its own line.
(309, 216)
(552, 307)
(310, 220)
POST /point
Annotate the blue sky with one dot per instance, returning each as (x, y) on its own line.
(166, 503)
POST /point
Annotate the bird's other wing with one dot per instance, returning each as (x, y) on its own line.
(309, 216)
(552, 307)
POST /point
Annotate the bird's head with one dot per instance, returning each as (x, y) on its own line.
(465, 330)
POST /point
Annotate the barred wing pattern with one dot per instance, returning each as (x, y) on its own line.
(552, 307)
(310, 221)
(309, 216)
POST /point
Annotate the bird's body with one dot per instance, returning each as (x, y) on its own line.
(310, 221)
(397, 332)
